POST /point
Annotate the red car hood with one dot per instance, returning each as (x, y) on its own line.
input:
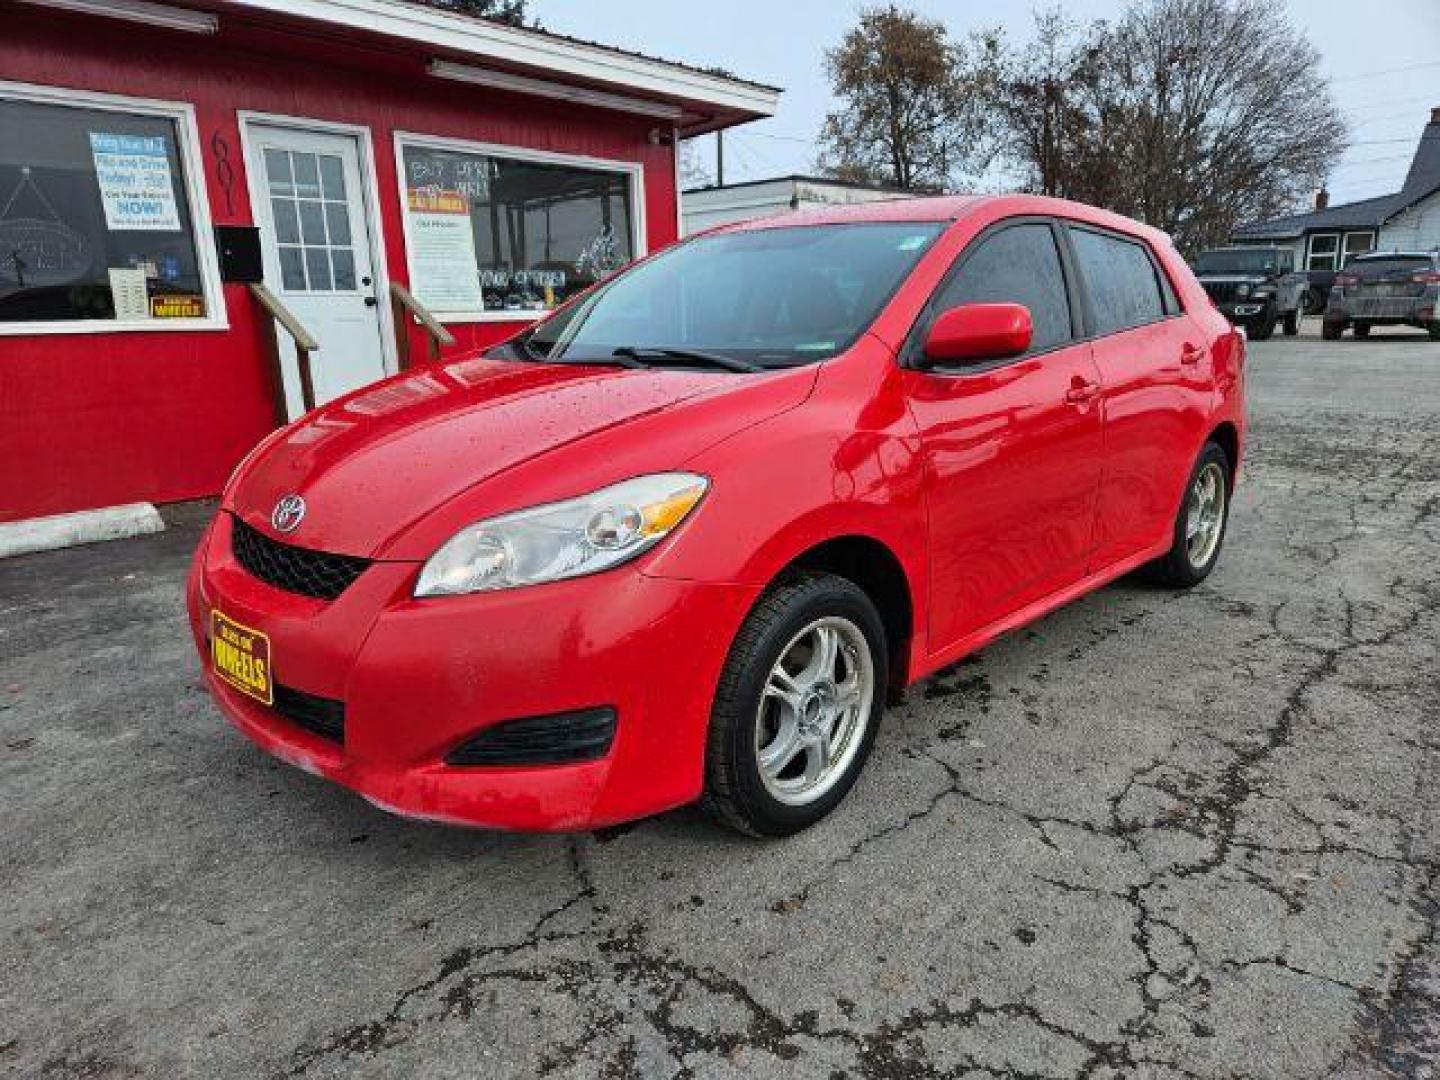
(372, 464)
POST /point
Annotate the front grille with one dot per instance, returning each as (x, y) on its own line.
(540, 740)
(320, 716)
(1222, 292)
(294, 569)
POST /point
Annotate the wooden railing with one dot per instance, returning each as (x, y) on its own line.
(304, 345)
(406, 308)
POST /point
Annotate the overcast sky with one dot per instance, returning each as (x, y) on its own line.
(1381, 56)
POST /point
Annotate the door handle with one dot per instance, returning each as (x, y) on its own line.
(1191, 354)
(1081, 391)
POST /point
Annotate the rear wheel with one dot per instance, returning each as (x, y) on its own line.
(797, 707)
(1200, 524)
(1362, 329)
(1331, 329)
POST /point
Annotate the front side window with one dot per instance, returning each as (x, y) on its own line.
(500, 235)
(1120, 279)
(1019, 265)
(774, 297)
(95, 220)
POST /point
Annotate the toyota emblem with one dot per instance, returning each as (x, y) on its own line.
(288, 514)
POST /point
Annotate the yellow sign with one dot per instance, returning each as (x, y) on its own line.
(437, 201)
(241, 657)
(177, 307)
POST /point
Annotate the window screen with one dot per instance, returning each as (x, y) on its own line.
(1019, 265)
(1121, 280)
(94, 218)
(498, 234)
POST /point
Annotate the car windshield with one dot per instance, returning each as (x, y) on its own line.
(1388, 265)
(1236, 262)
(768, 298)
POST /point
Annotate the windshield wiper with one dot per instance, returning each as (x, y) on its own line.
(720, 360)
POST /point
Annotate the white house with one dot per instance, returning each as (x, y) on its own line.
(706, 207)
(1325, 238)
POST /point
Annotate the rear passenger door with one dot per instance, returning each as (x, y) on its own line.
(1154, 399)
(1012, 447)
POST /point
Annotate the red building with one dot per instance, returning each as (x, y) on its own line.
(158, 162)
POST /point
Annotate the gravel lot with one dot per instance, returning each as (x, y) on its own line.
(1155, 834)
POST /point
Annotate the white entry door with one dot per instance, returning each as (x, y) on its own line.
(314, 228)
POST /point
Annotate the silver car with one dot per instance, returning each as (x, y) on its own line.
(1385, 288)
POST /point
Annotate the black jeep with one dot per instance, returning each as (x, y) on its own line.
(1255, 287)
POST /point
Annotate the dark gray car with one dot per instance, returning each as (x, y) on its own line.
(1386, 288)
(1254, 287)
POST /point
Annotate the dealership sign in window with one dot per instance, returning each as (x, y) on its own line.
(95, 222)
(490, 233)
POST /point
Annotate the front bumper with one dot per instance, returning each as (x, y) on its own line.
(419, 677)
(1245, 312)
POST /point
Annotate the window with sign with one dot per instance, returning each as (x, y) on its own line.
(491, 234)
(96, 218)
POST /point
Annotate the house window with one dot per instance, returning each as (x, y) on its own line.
(98, 217)
(1357, 243)
(493, 233)
(1324, 251)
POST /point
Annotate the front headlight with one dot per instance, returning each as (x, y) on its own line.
(563, 540)
(1242, 290)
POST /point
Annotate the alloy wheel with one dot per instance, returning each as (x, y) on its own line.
(1205, 515)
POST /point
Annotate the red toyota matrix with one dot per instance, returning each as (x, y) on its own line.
(680, 540)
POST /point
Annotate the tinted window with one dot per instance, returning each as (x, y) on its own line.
(778, 296)
(1120, 277)
(1020, 265)
(1388, 265)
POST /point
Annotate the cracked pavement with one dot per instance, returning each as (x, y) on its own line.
(1155, 834)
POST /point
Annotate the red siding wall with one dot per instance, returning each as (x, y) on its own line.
(97, 419)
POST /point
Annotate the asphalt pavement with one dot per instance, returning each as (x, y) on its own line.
(1157, 834)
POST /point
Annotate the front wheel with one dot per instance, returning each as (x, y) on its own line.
(1200, 524)
(1264, 329)
(1434, 330)
(1292, 323)
(1331, 329)
(797, 707)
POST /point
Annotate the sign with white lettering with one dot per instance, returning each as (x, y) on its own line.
(136, 189)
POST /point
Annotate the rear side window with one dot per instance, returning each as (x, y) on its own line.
(1121, 279)
(1018, 265)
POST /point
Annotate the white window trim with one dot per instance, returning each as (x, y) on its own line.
(187, 134)
(633, 169)
(1334, 256)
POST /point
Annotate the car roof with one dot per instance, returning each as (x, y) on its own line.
(945, 209)
(1396, 255)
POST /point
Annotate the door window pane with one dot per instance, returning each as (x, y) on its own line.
(95, 221)
(343, 263)
(287, 223)
(312, 222)
(1121, 280)
(317, 268)
(292, 269)
(496, 234)
(307, 175)
(332, 177)
(1020, 265)
(277, 171)
(337, 217)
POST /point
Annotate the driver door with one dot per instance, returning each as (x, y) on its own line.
(1012, 447)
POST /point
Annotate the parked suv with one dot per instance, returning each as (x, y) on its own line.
(1255, 287)
(682, 539)
(1385, 288)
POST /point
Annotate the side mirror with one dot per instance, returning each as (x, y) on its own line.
(976, 332)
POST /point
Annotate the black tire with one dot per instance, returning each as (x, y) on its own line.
(1264, 330)
(1434, 330)
(1291, 323)
(1177, 567)
(1362, 329)
(1331, 329)
(735, 794)
(1310, 303)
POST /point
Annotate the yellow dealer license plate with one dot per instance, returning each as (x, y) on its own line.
(241, 657)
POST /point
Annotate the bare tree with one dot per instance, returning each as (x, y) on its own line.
(693, 170)
(912, 115)
(1192, 115)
